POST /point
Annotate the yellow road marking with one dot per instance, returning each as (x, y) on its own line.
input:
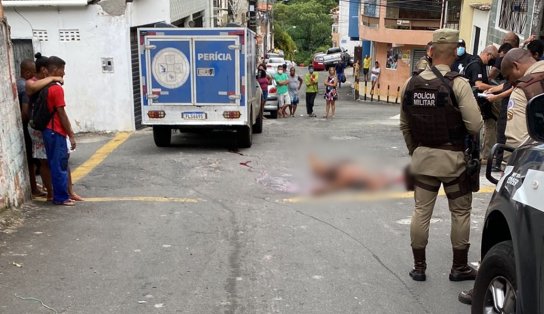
(98, 157)
(366, 197)
(154, 199)
(142, 199)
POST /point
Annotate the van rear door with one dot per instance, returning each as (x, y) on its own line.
(184, 70)
(217, 70)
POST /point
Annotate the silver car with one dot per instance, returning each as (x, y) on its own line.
(271, 104)
(272, 65)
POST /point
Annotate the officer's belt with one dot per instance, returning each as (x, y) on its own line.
(452, 147)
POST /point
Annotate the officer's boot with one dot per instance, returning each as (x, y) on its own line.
(460, 270)
(420, 265)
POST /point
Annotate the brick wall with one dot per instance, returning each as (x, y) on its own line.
(14, 187)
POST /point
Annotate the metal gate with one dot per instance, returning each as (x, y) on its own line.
(22, 49)
(136, 79)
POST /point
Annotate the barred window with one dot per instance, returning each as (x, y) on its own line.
(513, 15)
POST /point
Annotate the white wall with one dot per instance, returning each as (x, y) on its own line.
(14, 185)
(96, 101)
(150, 11)
(183, 8)
(343, 27)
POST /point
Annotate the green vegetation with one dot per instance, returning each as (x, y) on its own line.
(303, 27)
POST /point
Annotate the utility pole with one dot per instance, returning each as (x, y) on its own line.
(267, 20)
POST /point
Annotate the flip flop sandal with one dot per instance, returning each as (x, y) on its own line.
(76, 198)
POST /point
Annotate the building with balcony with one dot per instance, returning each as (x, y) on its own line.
(395, 33)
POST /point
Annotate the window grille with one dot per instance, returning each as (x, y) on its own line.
(40, 34)
(513, 16)
(69, 35)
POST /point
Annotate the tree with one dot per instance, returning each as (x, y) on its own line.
(308, 22)
(283, 41)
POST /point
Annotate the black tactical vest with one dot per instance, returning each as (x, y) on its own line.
(432, 112)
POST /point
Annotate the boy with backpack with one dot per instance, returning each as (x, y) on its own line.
(55, 127)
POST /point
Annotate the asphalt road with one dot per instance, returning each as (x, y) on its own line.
(203, 228)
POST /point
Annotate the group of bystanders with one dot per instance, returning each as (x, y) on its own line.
(47, 149)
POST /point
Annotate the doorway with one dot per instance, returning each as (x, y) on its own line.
(22, 49)
(476, 45)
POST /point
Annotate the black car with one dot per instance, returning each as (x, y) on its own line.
(511, 275)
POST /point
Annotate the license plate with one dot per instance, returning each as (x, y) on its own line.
(194, 115)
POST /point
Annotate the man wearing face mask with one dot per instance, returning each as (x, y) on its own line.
(526, 74)
(476, 73)
(463, 58)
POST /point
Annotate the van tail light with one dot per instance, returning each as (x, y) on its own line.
(268, 66)
(273, 90)
(231, 114)
(156, 114)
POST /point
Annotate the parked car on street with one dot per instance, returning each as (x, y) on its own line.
(271, 104)
(290, 64)
(511, 275)
(318, 61)
(272, 65)
(335, 56)
(270, 55)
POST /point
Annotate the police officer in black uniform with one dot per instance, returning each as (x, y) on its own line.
(476, 73)
(463, 57)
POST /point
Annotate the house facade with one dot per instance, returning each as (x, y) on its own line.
(97, 39)
(473, 24)
(397, 33)
(521, 17)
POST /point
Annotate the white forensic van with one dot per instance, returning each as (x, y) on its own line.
(195, 78)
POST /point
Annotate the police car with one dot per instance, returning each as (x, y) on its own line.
(511, 275)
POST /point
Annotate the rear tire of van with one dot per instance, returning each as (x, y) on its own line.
(496, 275)
(244, 136)
(162, 135)
(274, 114)
(258, 126)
